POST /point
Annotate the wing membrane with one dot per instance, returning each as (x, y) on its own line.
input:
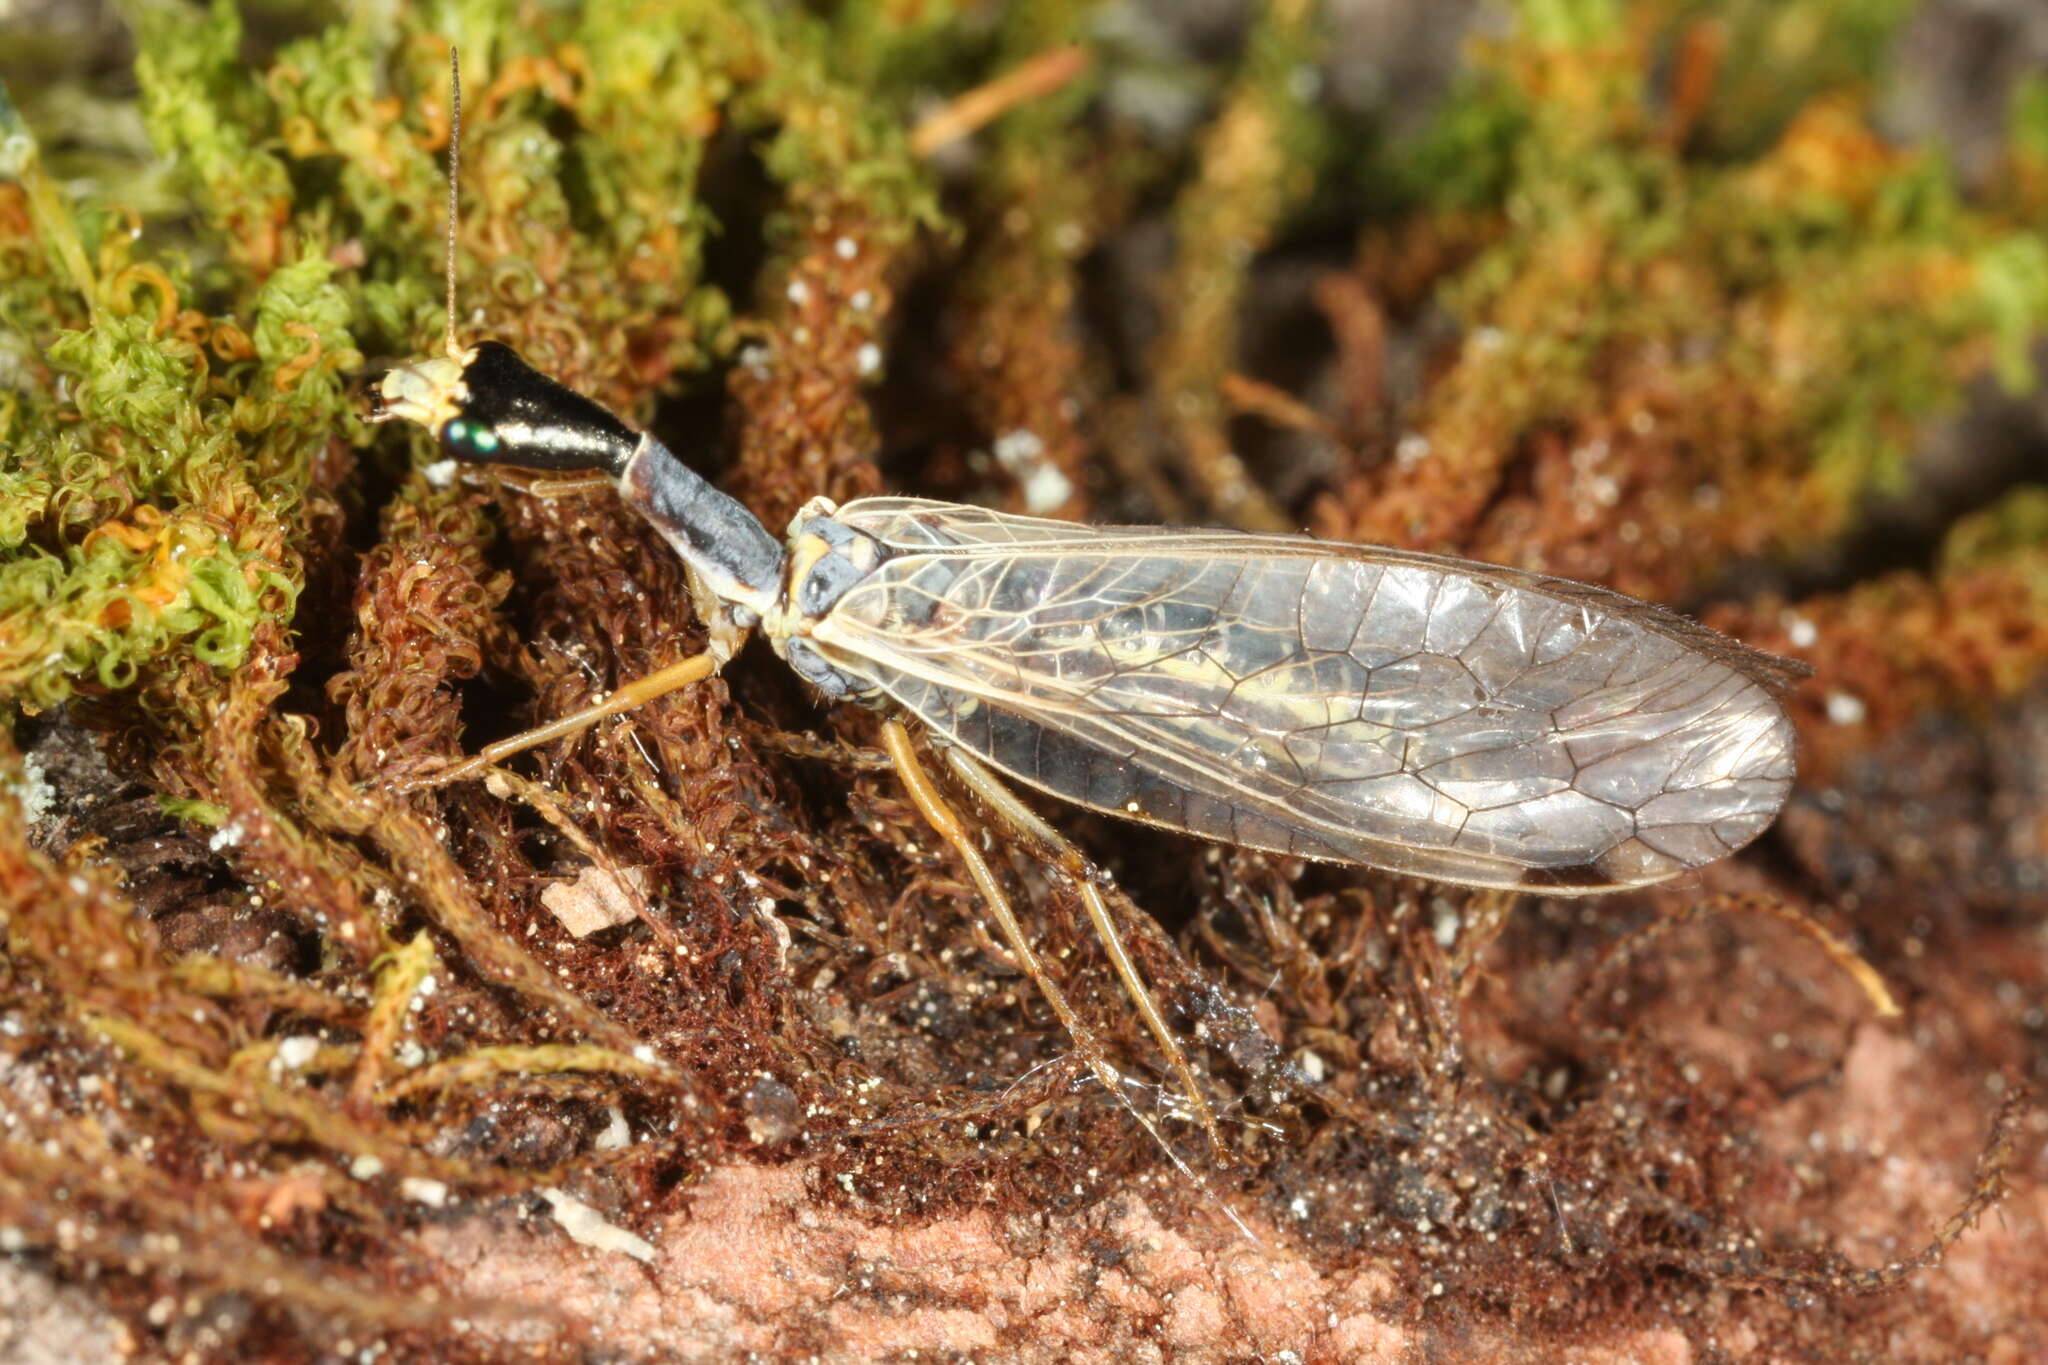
(1406, 711)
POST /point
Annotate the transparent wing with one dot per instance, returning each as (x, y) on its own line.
(1406, 711)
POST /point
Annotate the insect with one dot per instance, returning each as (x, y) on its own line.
(1411, 712)
(1405, 711)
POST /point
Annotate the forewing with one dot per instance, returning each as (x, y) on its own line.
(1410, 712)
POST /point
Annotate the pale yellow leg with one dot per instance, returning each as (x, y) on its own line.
(1000, 799)
(639, 692)
(940, 815)
(582, 485)
(932, 804)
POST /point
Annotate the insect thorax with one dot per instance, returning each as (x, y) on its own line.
(826, 559)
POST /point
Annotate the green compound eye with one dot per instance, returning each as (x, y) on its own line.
(469, 438)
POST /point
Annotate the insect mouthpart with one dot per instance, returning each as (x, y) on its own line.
(428, 392)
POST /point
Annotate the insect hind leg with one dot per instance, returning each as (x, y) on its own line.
(1070, 860)
(924, 793)
(939, 813)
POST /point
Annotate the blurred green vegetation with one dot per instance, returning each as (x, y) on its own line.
(170, 403)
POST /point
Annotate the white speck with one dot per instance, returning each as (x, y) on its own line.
(441, 473)
(419, 1189)
(846, 248)
(1412, 449)
(1022, 453)
(798, 293)
(862, 300)
(34, 790)
(1313, 1066)
(1445, 924)
(1045, 488)
(586, 1225)
(296, 1051)
(1489, 338)
(755, 360)
(366, 1167)
(868, 360)
(1801, 632)
(616, 1134)
(1021, 446)
(227, 836)
(643, 1053)
(1846, 708)
(409, 1053)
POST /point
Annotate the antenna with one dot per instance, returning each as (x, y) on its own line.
(454, 178)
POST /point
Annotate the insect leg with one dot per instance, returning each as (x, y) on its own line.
(581, 486)
(1842, 953)
(1020, 817)
(932, 804)
(835, 751)
(639, 692)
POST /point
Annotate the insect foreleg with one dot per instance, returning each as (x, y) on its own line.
(544, 489)
(1004, 803)
(639, 692)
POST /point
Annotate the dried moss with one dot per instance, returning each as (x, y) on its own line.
(1701, 317)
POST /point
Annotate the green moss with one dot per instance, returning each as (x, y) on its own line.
(1775, 58)
(2012, 530)
(204, 106)
(2029, 121)
(1258, 161)
(1840, 283)
(1568, 23)
(194, 399)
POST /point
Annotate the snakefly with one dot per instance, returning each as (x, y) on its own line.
(1405, 711)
